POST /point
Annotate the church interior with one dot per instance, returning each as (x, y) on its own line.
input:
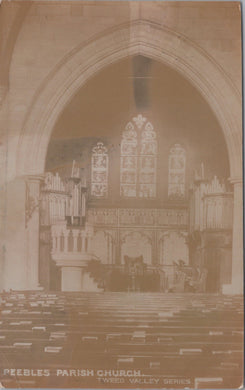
(121, 195)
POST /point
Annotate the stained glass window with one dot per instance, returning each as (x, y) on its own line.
(148, 162)
(99, 171)
(176, 172)
(128, 173)
(138, 159)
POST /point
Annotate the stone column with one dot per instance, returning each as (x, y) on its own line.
(83, 241)
(110, 249)
(236, 286)
(118, 259)
(66, 235)
(32, 231)
(89, 239)
(154, 257)
(75, 234)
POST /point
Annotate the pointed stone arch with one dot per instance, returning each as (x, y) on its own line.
(137, 38)
(159, 43)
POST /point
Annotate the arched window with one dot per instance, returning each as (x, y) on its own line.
(129, 152)
(99, 171)
(176, 172)
(148, 162)
(138, 159)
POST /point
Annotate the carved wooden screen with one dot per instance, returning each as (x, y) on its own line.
(138, 159)
(176, 172)
(99, 171)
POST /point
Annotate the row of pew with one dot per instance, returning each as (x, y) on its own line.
(120, 340)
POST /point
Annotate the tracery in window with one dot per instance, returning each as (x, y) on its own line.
(138, 159)
(128, 172)
(176, 172)
(99, 171)
(147, 163)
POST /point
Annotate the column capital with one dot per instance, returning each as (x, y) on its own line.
(33, 178)
(236, 180)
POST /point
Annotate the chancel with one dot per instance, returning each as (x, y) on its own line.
(143, 218)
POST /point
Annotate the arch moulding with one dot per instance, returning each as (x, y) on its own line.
(137, 38)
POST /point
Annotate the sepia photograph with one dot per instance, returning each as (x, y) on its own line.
(121, 195)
